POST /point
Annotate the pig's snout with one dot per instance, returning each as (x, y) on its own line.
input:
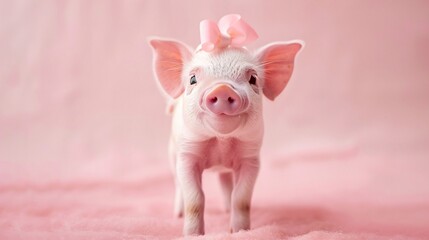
(222, 99)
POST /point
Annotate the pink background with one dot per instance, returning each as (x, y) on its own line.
(346, 151)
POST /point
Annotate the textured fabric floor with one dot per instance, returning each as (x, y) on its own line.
(323, 196)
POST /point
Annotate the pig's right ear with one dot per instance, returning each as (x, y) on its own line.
(169, 57)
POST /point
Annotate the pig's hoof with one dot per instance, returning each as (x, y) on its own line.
(238, 227)
(191, 232)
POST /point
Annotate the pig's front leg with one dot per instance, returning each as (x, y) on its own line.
(189, 176)
(245, 176)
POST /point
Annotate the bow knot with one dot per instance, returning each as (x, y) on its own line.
(231, 30)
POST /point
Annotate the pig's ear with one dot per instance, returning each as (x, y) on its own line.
(169, 57)
(277, 60)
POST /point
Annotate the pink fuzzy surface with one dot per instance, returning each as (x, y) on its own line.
(343, 196)
(83, 135)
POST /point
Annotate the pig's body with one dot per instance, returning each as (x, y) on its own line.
(215, 150)
(217, 120)
(202, 140)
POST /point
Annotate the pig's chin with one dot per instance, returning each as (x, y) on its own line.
(223, 124)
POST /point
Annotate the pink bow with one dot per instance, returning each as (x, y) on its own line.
(231, 30)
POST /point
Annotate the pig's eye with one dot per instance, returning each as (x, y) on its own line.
(193, 80)
(252, 80)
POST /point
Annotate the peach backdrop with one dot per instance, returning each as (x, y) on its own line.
(76, 89)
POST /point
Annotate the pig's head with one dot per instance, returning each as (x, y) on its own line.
(222, 90)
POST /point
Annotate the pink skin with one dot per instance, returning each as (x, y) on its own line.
(223, 100)
(217, 120)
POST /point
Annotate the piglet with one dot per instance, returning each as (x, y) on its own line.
(215, 95)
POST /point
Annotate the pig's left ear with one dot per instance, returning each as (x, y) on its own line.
(277, 61)
(168, 61)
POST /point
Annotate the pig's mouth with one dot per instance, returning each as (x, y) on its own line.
(223, 123)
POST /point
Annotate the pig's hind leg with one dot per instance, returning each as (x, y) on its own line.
(178, 200)
(226, 183)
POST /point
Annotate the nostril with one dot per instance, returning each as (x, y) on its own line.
(222, 99)
(231, 100)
